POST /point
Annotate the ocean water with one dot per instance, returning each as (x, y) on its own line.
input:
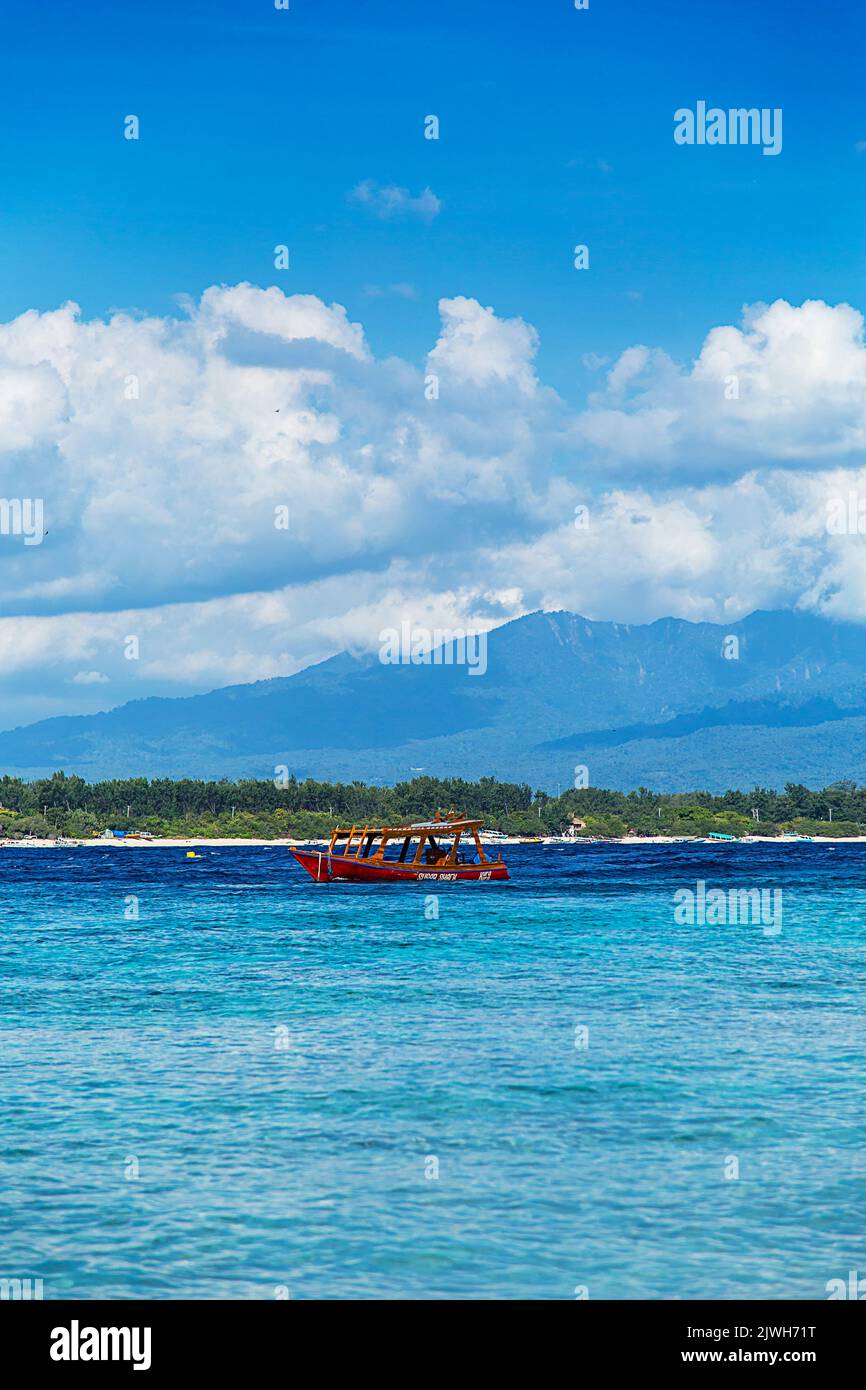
(263, 1087)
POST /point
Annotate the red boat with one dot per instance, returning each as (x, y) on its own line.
(428, 851)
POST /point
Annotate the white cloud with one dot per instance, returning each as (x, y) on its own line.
(32, 401)
(290, 318)
(477, 347)
(90, 678)
(789, 387)
(165, 448)
(386, 201)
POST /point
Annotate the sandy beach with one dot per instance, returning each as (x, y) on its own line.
(97, 842)
(194, 843)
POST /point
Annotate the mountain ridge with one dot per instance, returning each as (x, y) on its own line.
(632, 701)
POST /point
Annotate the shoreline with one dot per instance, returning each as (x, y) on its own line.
(225, 842)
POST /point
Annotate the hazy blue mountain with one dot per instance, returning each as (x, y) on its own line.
(656, 704)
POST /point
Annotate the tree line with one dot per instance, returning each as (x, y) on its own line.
(68, 805)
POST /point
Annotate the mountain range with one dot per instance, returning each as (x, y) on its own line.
(672, 705)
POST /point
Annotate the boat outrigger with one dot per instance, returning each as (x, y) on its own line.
(425, 850)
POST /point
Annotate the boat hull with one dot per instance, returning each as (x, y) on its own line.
(324, 867)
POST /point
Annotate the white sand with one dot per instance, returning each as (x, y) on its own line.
(98, 843)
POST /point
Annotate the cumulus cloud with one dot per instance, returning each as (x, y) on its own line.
(246, 488)
(788, 387)
(298, 317)
(387, 201)
(478, 348)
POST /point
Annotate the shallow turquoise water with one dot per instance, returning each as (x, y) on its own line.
(281, 1062)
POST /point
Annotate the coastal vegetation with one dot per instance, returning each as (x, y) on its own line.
(259, 809)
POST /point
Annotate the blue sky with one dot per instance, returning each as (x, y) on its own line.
(701, 388)
(556, 128)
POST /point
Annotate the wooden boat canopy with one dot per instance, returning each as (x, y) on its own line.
(441, 827)
(373, 841)
(418, 849)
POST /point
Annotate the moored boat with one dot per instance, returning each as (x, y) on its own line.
(425, 851)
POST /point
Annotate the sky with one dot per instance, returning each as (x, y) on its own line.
(239, 462)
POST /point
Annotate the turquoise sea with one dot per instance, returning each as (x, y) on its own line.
(261, 1087)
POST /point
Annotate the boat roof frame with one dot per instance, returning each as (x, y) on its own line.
(431, 827)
